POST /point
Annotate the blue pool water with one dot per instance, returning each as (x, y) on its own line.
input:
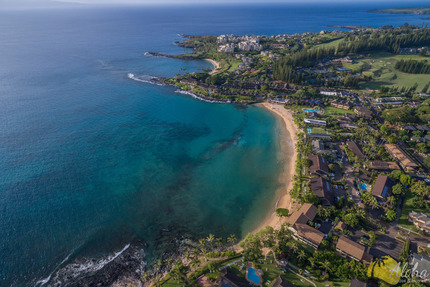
(253, 276)
(363, 186)
(311, 110)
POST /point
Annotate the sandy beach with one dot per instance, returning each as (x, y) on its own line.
(288, 142)
(216, 66)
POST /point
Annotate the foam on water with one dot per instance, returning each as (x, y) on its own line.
(200, 98)
(144, 79)
(75, 270)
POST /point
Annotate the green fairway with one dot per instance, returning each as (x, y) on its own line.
(381, 67)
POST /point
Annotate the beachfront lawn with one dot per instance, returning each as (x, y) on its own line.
(407, 208)
(332, 111)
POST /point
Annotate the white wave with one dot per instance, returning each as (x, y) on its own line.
(200, 98)
(75, 270)
(144, 79)
(43, 281)
(147, 54)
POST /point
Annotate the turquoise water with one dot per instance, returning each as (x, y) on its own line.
(363, 186)
(311, 110)
(92, 161)
(253, 276)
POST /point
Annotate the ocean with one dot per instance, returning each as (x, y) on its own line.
(92, 161)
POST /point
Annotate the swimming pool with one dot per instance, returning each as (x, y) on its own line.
(363, 186)
(311, 110)
(253, 277)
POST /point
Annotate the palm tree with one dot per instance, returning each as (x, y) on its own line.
(202, 242)
(391, 200)
(373, 203)
(312, 262)
(301, 255)
(326, 265)
(294, 246)
(219, 241)
(211, 239)
(232, 239)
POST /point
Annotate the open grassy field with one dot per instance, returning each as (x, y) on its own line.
(317, 130)
(332, 111)
(381, 67)
(330, 44)
(407, 208)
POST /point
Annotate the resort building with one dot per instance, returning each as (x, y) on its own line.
(420, 220)
(420, 266)
(319, 136)
(382, 188)
(398, 154)
(227, 48)
(306, 213)
(318, 148)
(328, 93)
(315, 122)
(346, 125)
(356, 150)
(350, 249)
(189, 82)
(409, 128)
(303, 232)
(319, 165)
(340, 105)
(281, 282)
(383, 165)
(323, 189)
(307, 234)
(363, 112)
(229, 279)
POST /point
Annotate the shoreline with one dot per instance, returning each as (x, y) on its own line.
(287, 141)
(215, 64)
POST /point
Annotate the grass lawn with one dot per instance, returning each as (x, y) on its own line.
(332, 111)
(317, 130)
(234, 65)
(296, 280)
(330, 44)
(407, 208)
(170, 282)
(384, 74)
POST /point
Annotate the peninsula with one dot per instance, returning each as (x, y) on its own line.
(415, 11)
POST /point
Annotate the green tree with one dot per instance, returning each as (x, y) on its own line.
(398, 189)
(420, 188)
(282, 212)
(251, 247)
(350, 219)
(391, 215)
(232, 239)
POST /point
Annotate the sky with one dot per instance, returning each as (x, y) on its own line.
(64, 3)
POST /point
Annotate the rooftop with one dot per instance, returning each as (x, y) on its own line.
(382, 187)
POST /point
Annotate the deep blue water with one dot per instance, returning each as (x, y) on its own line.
(91, 160)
